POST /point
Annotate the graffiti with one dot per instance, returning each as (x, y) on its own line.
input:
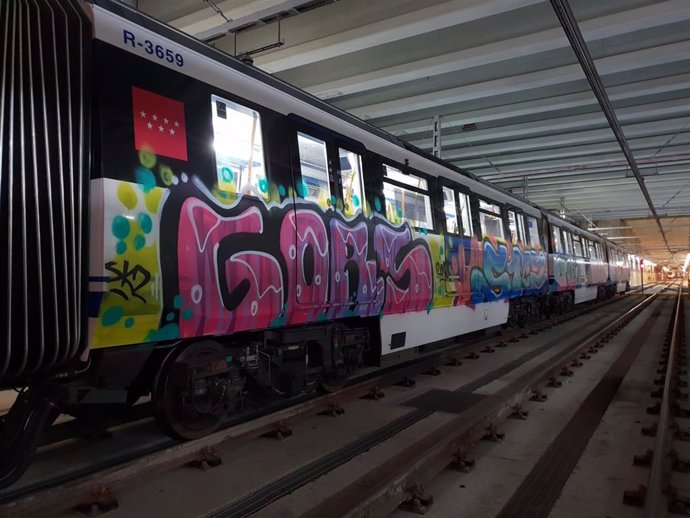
(253, 267)
(508, 270)
(183, 261)
(353, 276)
(133, 279)
(230, 284)
(570, 273)
(463, 255)
(406, 267)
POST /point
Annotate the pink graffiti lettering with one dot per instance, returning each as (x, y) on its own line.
(255, 275)
(409, 280)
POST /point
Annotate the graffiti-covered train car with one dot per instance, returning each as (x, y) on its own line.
(242, 236)
(582, 266)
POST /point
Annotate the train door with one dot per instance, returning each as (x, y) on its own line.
(330, 254)
(518, 256)
(305, 230)
(353, 261)
(458, 238)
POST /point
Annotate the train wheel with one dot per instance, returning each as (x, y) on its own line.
(336, 379)
(569, 301)
(188, 406)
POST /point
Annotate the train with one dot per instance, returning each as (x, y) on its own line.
(184, 227)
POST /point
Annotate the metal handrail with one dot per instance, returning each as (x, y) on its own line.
(654, 502)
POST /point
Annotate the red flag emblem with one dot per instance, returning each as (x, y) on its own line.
(159, 124)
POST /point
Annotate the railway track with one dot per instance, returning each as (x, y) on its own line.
(660, 495)
(82, 486)
(400, 479)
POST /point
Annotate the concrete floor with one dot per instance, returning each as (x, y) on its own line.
(606, 468)
(502, 467)
(263, 460)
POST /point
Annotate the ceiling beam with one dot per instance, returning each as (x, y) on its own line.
(207, 19)
(538, 183)
(608, 26)
(577, 42)
(558, 132)
(548, 168)
(625, 62)
(541, 149)
(421, 21)
(272, 8)
(545, 105)
(581, 154)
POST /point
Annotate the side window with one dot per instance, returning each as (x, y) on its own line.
(577, 246)
(522, 234)
(490, 219)
(516, 226)
(450, 211)
(569, 242)
(313, 161)
(533, 230)
(513, 226)
(353, 182)
(411, 204)
(557, 244)
(465, 214)
(239, 148)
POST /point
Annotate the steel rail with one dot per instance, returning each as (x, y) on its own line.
(74, 490)
(656, 503)
(382, 489)
(292, 481)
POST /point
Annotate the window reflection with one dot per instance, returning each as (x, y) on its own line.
(353, 182)
(314, 168)
(239, 148)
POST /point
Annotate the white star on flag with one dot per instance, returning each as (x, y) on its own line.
(143, 114)
(160, 128)
(154, 117)
(177, 124)
(172, 131)
(149, 125)
(165, 120)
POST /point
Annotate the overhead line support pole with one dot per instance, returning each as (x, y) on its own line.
(577, 42)
(436, 136)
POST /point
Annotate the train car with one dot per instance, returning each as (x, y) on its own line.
(619, 268)
(186, 227)
(578, 267)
